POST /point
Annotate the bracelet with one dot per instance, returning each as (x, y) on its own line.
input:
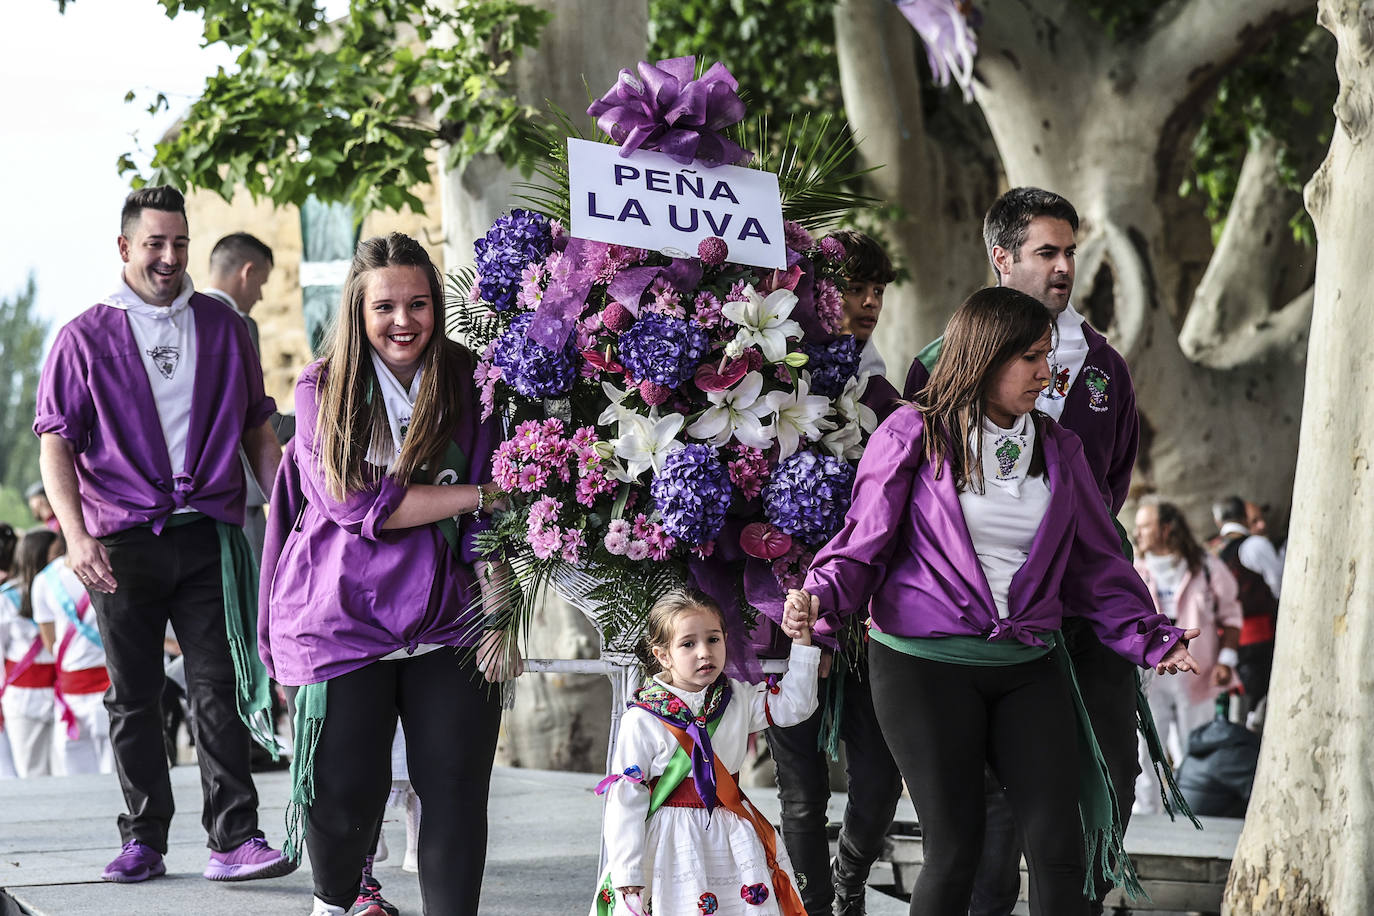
(481, 500)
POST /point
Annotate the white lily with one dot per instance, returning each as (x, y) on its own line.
(850, 404)
(613, 410)
(763, 322)
(845, 441)
(737, 412)
(798, 414)
(645, 441)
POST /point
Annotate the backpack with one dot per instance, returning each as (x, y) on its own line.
(1257, 602)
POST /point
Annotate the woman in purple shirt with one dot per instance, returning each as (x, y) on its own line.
(371, 587)
(975, 522)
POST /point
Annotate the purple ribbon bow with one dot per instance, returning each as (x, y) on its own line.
(556, 317)
(703, 754)
(628, 287)
(663, 108)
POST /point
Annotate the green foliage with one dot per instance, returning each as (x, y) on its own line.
(1255, 101)
(1122, 20)
(782, 52)
(347, 111)
(21, 354)
(14, 511)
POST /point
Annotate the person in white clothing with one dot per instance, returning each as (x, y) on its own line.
(62, 610)
(1194, 589)
(680, 836)
(30, 673)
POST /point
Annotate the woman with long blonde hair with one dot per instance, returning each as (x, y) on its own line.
(373, 591)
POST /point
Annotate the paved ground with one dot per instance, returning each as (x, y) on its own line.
(56, 834)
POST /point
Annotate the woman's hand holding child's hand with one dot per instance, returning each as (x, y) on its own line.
(799, 613)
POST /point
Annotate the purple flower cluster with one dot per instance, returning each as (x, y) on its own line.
(531, 368)
(832, 365)
(808, 496)
(663, 349)
(510, 244)
(692, 494)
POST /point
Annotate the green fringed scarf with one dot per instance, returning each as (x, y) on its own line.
(238, 573)
(311, 704)
(252, 692)
(1103, 842)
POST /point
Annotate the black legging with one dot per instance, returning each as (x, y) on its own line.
(942, 723)
(451, 719)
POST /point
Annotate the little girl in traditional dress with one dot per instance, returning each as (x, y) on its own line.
(681, 838)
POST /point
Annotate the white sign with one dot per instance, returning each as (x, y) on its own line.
(648, 200)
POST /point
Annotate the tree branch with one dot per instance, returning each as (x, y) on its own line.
(1248, 270)
(1196, 42)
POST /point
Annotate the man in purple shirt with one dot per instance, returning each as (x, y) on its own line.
(1030, 239)
(142, 407)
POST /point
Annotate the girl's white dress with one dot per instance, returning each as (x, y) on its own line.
(688, 863)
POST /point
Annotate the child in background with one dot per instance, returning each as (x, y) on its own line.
(62, 610)
(680, 835)
(26, 697)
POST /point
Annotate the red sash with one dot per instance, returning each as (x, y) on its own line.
(22, 673)
(87, 680)
(729, 795)
(32, 676)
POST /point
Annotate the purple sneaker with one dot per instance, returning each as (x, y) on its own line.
(135, 862)
(251, 859)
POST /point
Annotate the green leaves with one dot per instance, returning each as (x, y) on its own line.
(352, 110)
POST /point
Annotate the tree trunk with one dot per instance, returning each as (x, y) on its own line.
(1308, 841)
(1102, 124)
(559, 721)
(941, 171)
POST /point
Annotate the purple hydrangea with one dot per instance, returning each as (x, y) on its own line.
(663, 349)
(532, 368)
(808, 496)
(832, 365)
(692, 494)
(510, 244)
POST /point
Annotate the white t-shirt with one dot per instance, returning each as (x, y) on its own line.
(166, 339)
(47, 608)
(1066, 361)
(1168, 571)
(16, 636)
(1003, 520)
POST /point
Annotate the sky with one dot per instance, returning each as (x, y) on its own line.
(64, 124)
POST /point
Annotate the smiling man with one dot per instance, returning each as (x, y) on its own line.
(143, 405)
(1030, 235)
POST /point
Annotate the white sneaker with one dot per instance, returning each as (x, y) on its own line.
(324, 909)
(382, 850)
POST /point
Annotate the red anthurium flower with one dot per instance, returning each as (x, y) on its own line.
(709, 378)
(764, 541)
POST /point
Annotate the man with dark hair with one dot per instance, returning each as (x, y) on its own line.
(239, 266)
(124, 463)
(1030, 239)
(867, 271)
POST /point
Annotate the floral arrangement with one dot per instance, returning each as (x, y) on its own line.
(666, 410)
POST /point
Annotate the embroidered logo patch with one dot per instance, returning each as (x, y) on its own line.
(1007, 453)
(707, 904)
(1058, 385)
(166, 359)
(754, 894)
(1097, 381)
